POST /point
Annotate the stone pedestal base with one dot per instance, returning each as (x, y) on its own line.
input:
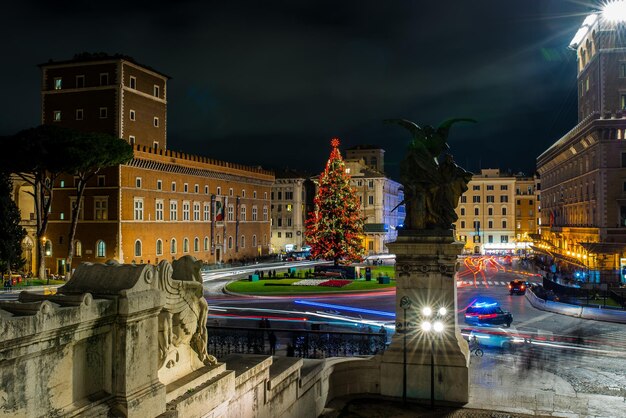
(425, 268)
(451, 367)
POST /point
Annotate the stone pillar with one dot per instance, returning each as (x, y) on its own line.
(425, 268)
(136, 388)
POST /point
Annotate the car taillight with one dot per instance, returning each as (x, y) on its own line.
(510, 286)
(487, 316)
(523, 287)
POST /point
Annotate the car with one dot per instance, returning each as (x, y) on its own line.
(492, 337)
(487, 313)
(518, 287)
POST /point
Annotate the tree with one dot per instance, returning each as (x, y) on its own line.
(36, 156)
(335, 227)
(87, 154)
(11, 233)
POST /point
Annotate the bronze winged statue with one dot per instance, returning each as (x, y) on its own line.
(432, 182)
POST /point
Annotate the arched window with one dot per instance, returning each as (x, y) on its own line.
(206, 243)
(101, 249)
(78, 249)
(173, 246)
(196, 244)
(186, 245)
(138, 248)
(504, 210)
(253, 241)
(243, 241)
(230, 242)
(159, 247)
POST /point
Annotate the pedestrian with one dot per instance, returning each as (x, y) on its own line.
(261, 274)
(272, 339)
(290, 351)
(262, 323)
(267, 323)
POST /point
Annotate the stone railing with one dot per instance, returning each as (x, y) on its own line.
(294, 343)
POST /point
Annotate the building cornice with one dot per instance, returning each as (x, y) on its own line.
(192, 171)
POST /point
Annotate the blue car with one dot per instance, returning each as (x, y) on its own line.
(491, 337)
(483, 313)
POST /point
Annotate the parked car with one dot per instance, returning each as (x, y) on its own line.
(482, 313)
(518, 287)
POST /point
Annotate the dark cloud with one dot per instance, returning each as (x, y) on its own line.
(270, 82)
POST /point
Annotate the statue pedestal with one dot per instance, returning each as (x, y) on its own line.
(425, 267)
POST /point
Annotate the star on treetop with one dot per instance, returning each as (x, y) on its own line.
(334, 142)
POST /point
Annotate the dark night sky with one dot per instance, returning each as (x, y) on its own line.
(270, 82)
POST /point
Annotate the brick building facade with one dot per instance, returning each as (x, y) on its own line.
(161, 205)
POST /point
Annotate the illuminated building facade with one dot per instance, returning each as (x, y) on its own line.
(497, 214)
(378, 196)
(161, 205)
(292, 200)
(527, 206)
(583, 174)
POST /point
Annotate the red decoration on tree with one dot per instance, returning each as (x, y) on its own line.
(334, 229)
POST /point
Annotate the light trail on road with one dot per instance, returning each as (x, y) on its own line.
(361, 295)
(486, 267)
(346, 308)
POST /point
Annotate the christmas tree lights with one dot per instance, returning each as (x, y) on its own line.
(335, 227)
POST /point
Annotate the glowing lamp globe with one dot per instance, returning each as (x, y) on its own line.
(438, 326)
(614, 11)
(426, 326)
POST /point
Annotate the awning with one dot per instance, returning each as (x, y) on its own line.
(375, 228)
(540, 250)
(571, 260)
(604, 247)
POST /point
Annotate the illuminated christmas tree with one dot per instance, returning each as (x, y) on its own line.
(334, 229)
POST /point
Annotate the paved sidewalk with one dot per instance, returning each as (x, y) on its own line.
(499, 388)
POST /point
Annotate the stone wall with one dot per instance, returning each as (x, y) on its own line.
(103, 346)
(116, 341)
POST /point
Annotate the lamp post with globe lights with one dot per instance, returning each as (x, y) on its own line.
(405, 304)
(432, 325)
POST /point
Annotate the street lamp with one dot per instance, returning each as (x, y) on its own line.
(405, 303)
(46, 252)
(432, 324)
(614, 11)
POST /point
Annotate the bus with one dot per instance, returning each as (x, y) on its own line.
(297, 255)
